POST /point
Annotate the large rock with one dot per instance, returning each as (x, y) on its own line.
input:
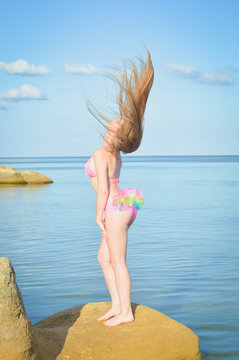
(9, 175)
(75, 334)
(34, 177)
(15, 326)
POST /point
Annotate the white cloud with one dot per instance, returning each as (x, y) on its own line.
(82, 69)
(217, 79)
(183, 70)
(191, 72)
(3, 105)
(21, 67)
(24, 92)
(91, 69)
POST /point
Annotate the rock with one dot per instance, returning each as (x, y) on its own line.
(75, 334)
(15, 326)
(9, 175)
(34, 177)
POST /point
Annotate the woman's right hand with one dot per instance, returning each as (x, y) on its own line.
(101, 224)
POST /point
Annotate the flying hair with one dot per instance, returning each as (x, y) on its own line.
(133, 90)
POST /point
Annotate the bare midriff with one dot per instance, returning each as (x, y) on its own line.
(113, 187)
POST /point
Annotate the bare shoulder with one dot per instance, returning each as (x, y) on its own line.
(100, 154)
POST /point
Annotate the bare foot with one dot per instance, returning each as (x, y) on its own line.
(110, 313)
(119, 319)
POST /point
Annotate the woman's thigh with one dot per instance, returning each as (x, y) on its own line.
(117, 224)
(131, 221)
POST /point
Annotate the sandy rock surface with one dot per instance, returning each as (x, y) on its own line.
(75, 334)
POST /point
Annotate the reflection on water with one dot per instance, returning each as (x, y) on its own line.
(27, 188)
(182, 249)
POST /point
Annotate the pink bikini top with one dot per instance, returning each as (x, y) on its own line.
(92, 174)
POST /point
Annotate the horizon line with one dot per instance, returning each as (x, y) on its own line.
(67, 156)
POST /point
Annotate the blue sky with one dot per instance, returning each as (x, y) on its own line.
(52, 53)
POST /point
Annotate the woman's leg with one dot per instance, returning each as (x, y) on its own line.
(117, 224)
(103, 257)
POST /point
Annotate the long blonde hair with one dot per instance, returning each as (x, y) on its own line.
(134, 88)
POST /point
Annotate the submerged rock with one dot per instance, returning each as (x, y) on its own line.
(15, 326)
(9, 175)
(75, 333)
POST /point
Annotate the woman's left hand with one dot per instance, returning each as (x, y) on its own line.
(101, 224)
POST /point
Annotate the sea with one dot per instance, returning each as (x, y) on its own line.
(182, 249)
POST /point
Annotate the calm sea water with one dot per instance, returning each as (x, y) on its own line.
(182, 252)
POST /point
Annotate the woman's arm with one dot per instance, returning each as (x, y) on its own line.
(101, 167)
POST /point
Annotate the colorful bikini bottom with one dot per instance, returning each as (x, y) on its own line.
(130, 199)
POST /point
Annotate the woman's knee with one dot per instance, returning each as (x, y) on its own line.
(103, 258)
(118, 262)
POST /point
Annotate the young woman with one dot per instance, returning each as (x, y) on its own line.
(116, 209)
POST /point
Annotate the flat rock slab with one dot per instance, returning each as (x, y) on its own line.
(75, 334)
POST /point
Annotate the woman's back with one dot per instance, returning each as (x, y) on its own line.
(114, 165)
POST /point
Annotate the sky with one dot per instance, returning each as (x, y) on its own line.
(53, 54)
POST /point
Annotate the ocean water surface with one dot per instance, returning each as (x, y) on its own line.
(182, 251)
